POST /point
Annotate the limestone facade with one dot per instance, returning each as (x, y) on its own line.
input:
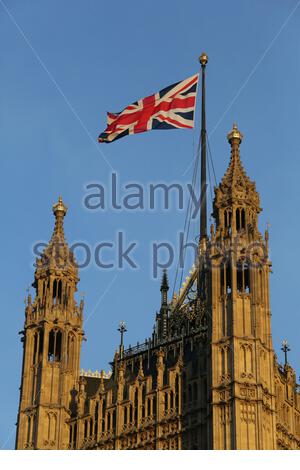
(207, 378)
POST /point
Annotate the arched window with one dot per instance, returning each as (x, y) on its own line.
(131, 413)
(91, 427)
(166, 402)
(227, 218)
(243, 219)
(71, 350)
(54, 291)
(54, 347)
(177, 392)
(240, 218)
(136, 405)
(74, 436)
(96, 419)
(225, 284)
(165, 376)
(59, 291)
(154, 406)
(143, 401)
(242, 277)
(114, 419)
(38, 343)
(223, 361)
(171, 399)
(246, 278)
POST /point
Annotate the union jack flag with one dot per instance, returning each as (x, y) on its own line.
(171, 108)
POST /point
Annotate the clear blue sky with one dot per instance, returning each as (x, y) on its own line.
(63, 64)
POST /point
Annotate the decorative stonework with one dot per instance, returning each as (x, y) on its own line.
(206, 378)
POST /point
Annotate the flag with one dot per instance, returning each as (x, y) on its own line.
(171, 108)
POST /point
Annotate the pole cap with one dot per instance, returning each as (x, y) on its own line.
(203, 59)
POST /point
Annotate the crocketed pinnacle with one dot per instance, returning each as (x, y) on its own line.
(164, 283)
(235, 173)
(236, 186)
(59, 210)
(57, 252)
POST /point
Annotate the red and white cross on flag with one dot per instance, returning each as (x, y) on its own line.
(171, 108)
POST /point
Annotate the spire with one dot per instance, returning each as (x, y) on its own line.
(235, 172)
(285, 348)
(164, 281)
(236, 204)
(57, 252)
(164, 288)
(59, 210)
(235, 186)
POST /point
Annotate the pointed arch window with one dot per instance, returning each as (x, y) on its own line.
(54, 346)
(240, 218)
(243, 277)
(57, 291)
(225, 285)
(136, 402)
(166, 401)
(96, 419)
(177, 392)
(54, 291)
(144, 401)
(71, 350)
(171, 399)
(149, 406)
(227, 218)
(38, 343)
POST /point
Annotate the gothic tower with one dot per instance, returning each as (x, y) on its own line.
(241, 383)
(51, 346)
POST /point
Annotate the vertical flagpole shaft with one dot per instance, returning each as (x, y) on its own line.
(203, 211)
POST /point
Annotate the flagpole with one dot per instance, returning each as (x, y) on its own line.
(203, 205)
(203, 59)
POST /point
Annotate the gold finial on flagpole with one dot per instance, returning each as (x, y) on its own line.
(203, 59)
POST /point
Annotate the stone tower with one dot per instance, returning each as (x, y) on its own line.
(52, 342)
(241, 352)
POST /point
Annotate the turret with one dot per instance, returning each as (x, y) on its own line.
(236, 204)
(162, 316)
(52, 343)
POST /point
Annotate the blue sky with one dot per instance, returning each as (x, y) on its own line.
(63, 65)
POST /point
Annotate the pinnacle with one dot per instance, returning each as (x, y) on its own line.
(235, 173)
(58, 247)
(59, 210)
(164, 282)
